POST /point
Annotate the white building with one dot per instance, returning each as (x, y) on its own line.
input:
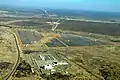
(48, 67)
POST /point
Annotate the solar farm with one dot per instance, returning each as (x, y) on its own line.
(63, 40)
(55, 43)
(28, 37)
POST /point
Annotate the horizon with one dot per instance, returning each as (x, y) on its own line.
(104, 6)
(47, 8)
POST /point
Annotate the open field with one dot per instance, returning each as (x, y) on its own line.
(86, 61)
(28, 37)
(96, 60)
(27, 23)
(111, 29)
(7, 52)
(4, 19)
(33, 23)
(12, 18)
(91, 27)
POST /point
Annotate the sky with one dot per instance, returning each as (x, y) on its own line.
(96, 5)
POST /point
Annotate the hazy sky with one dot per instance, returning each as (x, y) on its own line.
(104, 5)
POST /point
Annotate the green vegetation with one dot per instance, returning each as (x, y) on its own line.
(115, 39)
(110, 71)
(91, 27)
(4, 69)
(23, 70)
(57, 76)
(100, 62)
(27, 23)
(85, 62)
(7, 52)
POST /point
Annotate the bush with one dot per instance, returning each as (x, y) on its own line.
(23, 69)
(110, 71)
(56, 76)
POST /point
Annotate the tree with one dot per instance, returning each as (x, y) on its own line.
(23, 69)
(110, 71)
(57, 76)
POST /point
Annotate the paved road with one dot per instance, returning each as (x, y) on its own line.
(17, 61)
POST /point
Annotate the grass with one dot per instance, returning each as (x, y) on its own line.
(91, 27)
(7, 52)
(27, 23)
(84, 60)
(91, 58)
